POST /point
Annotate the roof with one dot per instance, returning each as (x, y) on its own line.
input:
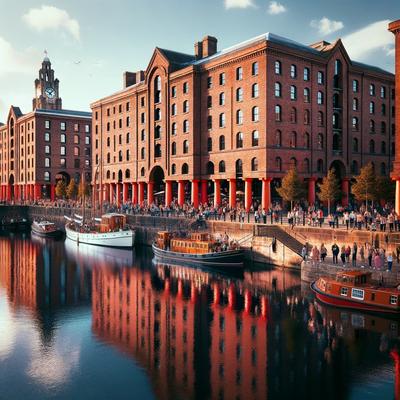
(65, 113)
(370, 67)
(17, 111)
(174, 57)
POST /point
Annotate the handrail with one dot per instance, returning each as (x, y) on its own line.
(245, 238)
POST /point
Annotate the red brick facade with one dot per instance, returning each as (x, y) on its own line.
(41, 147)
(206, 126)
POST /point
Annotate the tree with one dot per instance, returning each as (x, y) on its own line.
(61, 189)
(365, 187)
(72, 189)
(84, 190)
(292, 188)
(386, 188)
(329, 189)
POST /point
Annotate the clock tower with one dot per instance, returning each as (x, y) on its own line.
(46, 88)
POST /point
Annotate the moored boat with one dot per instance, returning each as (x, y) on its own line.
(111, 232)
(45, 229)
(197, 249)
(354, 289)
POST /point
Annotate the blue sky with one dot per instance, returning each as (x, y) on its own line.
(91, 42)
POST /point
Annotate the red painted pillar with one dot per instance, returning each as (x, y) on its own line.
(195, 193)
(118, 194)
(8, 192)
(217, 192)
(141, 193)
(232, 193)
(16, 192)
(168, 193)
(204, 197)
(181, 192)
(345, 191)
(248, 193)
(111, 193)
(134, 193)
(125, 192)
(38, 192)
(150, 193)
(52, 192)
(311, 190)
(106, 195)
(266, 193)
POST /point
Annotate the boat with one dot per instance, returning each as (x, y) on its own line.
(197, 249)
(45, 229)
(355, 290)
(14, 224)
(112, 231)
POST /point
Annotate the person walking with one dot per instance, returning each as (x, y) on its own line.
(354, 255)
(362, 253)
(335, 253)
(304, 253)
(343, 255)
(389, 261)
(370, 254)
(347, 254)
(323, 252)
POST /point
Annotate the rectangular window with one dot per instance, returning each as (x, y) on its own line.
(62, 150)
(63, 162)
(87, 140)
(63, 126)
(47, 124)
(239, 73)
(143, 118)
(254, 69)
(344, 291)
(185, 88)
(393, 299)
(142, 101)
(173, 91)
(76, 128)
(77, 163)
(87, 127)
(357, 294)
(320, 78)
(209, 82)
(222, 78)
(355, 85)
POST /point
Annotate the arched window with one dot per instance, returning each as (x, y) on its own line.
(239, 140)
(157, 150)
(278, 138)
(354, 123)
(254, 90)
(173, 148)
(157, 114)
(383, 128)
(221, 166)
(157, 132)
(46, 162)
(222, 99)
(306, 95)
(186, 106)
(306, 117)
(46, 149)
(108, 158)
(120, 156)
(293, 71)
(335, 100)
(372, 89)
(173, 128)
(157, 89)
(306, 140)
(239, 117)
(210, 168)
(336, 145)
(372, 126)
(278, 67)
(209, 122)
(335, 121)
(278, 164)
(108, 175)
(209, 144)
(306, 165)
(185, 169)
(127, 174)
(320, 118)
(255, 114)
(239, 168)
(222, 142)
(127, 138)
(47, 176)
(293, 92)
(320, 166)
(383, 147)
(355, 104)
(119, 139)
(354, 167)
(293, 139)
(173, 169)
(320, 139)
(254, 164)
(185, 147)
(222, 120)
(293, 115)
(254, 138)
(278, 89)
(306, 74)
(293, 162)
(355, 145)
(320, 98)
(143, 134)
(278, 113)
(338, 74)
(372, 146)
(371, 107)
(142, 171)
(239, 94)
(142, 153)
(185, 126)
(77, 151)
(383, 169)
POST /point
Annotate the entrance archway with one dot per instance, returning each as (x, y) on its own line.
(157, 176)
(64, 176)
(340, 169)
(11, 185)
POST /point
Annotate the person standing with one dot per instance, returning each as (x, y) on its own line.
(323, 252)
(389, 261)
(347, 253)
(343, 255)
(304, 253)
(370, 254)
(354, 255)
(362, 253)
(335, 253)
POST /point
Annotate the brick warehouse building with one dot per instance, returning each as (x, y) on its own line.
(228, 124)
(41, 147)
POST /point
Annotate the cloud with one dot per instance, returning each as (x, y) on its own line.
(51, 18)
(238, 3)
(363, 42)
(276, 8)
(326, 26)
(16, 61)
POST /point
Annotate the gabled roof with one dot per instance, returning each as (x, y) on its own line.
(370, 67)
(66, 113)
(17, 111)
(174, 57)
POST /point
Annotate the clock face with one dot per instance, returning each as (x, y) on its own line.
(50, 93)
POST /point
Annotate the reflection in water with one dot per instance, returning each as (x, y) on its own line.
(196, 334)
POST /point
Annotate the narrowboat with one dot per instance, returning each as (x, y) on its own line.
(112, 231)
(45, 229)
(197, 249)
(354, 289)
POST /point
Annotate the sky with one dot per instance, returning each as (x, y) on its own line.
(92, 42)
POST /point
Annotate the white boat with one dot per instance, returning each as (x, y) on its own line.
(112, 232)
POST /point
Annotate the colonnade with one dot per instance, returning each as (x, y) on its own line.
(27, 192)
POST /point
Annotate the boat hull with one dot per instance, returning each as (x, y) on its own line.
(351, 304)
(223, 259)
(53, 234)
(120, 239)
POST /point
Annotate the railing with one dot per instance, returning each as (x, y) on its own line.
(245, 238)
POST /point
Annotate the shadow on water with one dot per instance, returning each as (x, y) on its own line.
(199, 334)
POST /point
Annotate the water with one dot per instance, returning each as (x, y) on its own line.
(90, 323)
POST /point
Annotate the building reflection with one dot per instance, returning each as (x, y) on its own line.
(39, 278)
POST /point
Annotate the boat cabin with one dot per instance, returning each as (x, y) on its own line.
(196, 243)
(112, 222)
(354, 277)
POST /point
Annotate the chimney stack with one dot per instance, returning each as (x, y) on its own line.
(129, 79)
(198, 50)
(209, 45)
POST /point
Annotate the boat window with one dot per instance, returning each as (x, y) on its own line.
(343, 291)
(393, 299)
(357, 294)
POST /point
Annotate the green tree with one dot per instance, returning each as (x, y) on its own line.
(72, 189)
(386, 188)
(329, 189)
(292, 188)
(61, 189)
(365, 187)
